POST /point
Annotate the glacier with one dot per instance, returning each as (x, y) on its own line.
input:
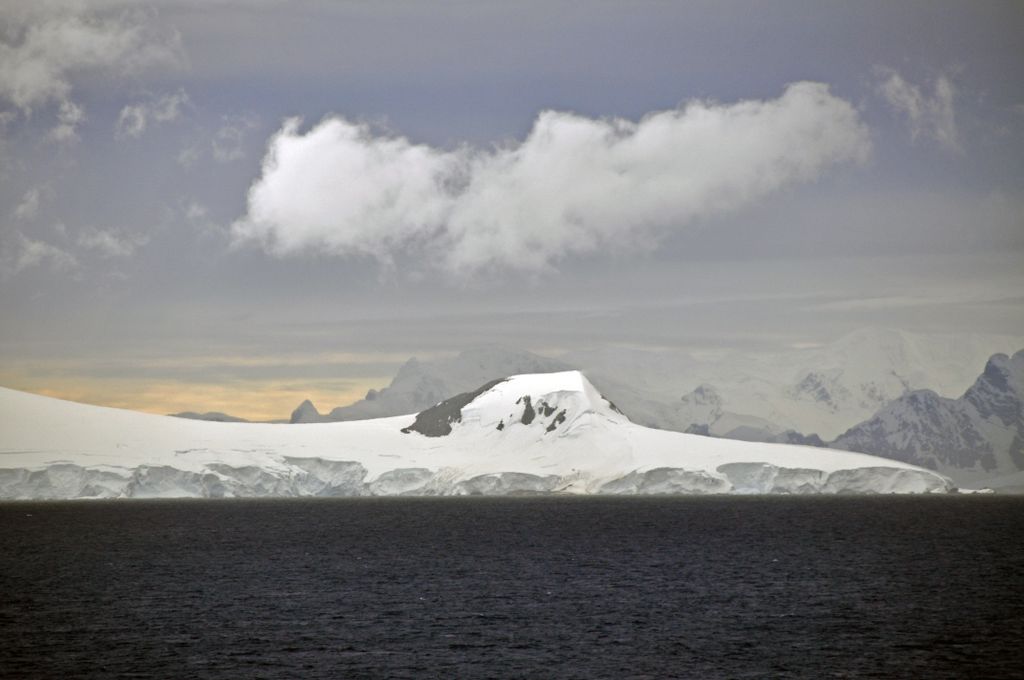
(527, 434)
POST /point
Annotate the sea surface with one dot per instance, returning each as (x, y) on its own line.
(720, 587)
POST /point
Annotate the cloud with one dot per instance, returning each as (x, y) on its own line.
(67, 251)
(344, 189)
(135, 118)
(69, 116)
(928, 117)
(28, 253)
(228, 140)
(575, 185)
(188, 156)
(197, 216)
(107, 243)
(28, 207)
(43, 50)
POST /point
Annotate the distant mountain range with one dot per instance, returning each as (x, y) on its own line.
(875, 391)
(822, 390)
(976, 437)
(421, 384)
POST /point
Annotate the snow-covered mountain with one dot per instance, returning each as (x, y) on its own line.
(421, 384)
(818, 390)
(751, 396)
(977, 438)
(537, 433)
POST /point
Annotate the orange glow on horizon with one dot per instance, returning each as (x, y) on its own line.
(251, 399)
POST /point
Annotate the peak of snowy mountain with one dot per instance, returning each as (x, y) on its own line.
(535, 433)
(997, 392)
(306, 413)
(975, 437)
(547, 402)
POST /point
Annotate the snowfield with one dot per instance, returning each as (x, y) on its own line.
(538, 433)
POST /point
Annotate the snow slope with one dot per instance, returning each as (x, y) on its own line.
(526, 434)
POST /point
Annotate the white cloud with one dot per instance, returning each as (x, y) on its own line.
(67, 251)
(28, 253)
(135, 118)
(28, 207)
(340, 188)
(69, 116)
(43, 50)
(107, 243)
(573, 186)
(228, 140)
(932, 117)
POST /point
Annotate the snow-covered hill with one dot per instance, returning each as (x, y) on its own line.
(545, 433)
(977, 438)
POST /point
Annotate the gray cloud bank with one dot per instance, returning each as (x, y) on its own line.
(573, 186)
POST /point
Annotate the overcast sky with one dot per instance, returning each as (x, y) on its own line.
(235, 205)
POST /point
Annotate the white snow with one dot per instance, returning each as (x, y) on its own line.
(576, 443)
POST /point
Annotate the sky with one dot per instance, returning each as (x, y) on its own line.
(224, 205)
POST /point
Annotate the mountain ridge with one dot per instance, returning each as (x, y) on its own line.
(975, 436)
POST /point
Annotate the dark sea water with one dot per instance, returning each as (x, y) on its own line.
(529, 587)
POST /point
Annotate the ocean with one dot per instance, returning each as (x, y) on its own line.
(533, 587)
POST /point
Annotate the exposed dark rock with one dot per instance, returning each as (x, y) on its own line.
(922, 428)
(528, 413)
(437, 420)
(306, 413)
(558, 420)
(969, 433)
(817, 387)
(794, 437)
